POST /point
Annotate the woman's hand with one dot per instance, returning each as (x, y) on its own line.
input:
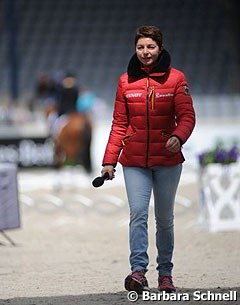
(110, 170)
(173, 144)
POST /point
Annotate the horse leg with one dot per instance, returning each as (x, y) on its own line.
(85, 152)
(58, 157)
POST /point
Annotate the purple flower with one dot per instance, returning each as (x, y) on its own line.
(201, 158)
(233, 153)
(219, 155)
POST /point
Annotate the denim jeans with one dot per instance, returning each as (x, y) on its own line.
(140, 182)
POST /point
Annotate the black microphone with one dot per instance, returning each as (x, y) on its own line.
(100, 180)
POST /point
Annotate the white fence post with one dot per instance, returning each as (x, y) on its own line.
(219, 197)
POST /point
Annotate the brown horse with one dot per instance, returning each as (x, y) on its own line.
(72, 144)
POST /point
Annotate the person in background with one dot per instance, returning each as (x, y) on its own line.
(44, 89)
(66, 103)
(84, 105)
(86, 100)
(67, 95)
(153, 117)
(44, 98)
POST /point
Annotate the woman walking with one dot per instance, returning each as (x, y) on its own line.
(153, 117)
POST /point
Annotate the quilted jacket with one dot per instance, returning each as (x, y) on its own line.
(150, 107)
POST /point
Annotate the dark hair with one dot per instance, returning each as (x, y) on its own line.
(149, 31)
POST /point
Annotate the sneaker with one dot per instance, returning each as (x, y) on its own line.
(165, 283)
(136, 281)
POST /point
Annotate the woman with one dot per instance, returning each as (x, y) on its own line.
(153, 117)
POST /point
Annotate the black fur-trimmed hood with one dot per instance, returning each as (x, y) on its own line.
(162, 66)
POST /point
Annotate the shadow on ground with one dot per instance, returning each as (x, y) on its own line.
(120, 298)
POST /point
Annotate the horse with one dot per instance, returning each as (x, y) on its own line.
(72, 144)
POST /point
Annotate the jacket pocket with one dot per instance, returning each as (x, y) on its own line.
(166, 134)
(128, 136)
(165, 137)
(126, 139)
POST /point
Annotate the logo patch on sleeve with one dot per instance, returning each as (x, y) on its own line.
(186, 90)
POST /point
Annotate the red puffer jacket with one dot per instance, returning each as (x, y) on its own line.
(149, 108)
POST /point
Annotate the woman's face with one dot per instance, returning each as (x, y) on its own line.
(147, 51)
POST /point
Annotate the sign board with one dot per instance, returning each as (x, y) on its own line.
(9, 203)
(27, 152)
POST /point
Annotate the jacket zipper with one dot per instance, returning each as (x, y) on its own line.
(152, 96)
(147, 108)
(127, 137)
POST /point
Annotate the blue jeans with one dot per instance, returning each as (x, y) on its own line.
(140, 182)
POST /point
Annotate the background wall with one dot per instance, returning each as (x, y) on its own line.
(94, 39)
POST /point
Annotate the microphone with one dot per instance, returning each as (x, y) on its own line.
(99, 181)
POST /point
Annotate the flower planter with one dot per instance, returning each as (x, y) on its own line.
(219, 197)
